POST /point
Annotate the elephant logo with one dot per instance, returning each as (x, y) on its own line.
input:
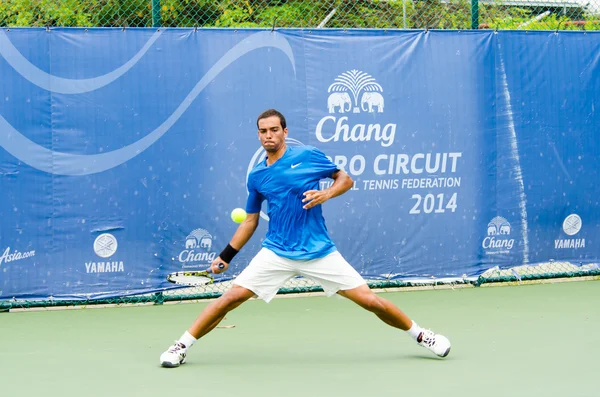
(355, 82)
(498, 226)
(197, 252)
(206, 243)
(190, 242)
(498, 239)
(199, 238)
(372, 100)
(339, 100)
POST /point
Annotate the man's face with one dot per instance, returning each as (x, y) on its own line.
(271, 135)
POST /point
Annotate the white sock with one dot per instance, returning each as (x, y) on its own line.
(187, 339)
(415, 331)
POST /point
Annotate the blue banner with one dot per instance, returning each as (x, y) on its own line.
(123, 152)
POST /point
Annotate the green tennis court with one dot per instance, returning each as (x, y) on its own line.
(536, 340)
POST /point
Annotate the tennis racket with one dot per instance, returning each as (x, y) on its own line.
(198, 277)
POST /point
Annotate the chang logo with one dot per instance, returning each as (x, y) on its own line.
(259, 156)
(498, 239)
(197, 252)
(354, 92)
(360, 85)
(571, 226)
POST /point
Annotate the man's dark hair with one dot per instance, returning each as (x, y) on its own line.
(270, 113)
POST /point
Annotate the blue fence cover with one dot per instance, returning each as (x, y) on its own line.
(123, 152)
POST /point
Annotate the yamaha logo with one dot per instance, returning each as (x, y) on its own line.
(105, 245)
(572, 224)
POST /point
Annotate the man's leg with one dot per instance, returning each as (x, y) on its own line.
(392, 315)
(208, 319)
(263, 277)
(382, 308)
(212, 314)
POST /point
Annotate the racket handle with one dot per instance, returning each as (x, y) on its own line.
(220, 266)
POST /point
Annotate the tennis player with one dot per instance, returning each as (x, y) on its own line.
(297, 242)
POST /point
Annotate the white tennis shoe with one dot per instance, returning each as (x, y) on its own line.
(438, 344)
(175, 356)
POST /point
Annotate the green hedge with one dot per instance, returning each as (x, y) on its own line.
(433, 14)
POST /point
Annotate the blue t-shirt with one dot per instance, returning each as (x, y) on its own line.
(294, 232)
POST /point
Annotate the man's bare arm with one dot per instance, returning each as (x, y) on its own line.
(342, 182)
(241, 236)
(244, 231)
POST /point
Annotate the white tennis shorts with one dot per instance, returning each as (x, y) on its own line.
(267, 272)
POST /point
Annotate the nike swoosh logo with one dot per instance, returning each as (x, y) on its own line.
(59, 163)
(295, 165)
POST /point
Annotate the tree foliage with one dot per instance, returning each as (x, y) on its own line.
(390, 14)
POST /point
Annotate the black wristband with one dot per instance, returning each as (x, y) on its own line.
(228, 253)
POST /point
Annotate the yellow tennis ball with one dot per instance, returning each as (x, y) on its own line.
(238, 215)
